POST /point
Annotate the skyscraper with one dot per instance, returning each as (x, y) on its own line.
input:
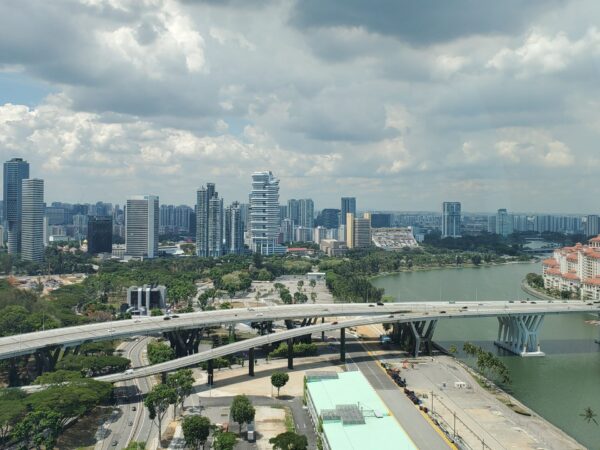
(592, 225)
(349, 229)
(362, 232)
(293, 211)
(99, 234)
(209, 222)
(504, 222)
(451, 219)
(141, 226)
(15, 171)
(32, 220)
(234, 229)
(329, 218)
(348, 206)
(264, 213)
(306, 213)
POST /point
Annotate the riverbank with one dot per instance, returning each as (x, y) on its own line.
(454, 266)
(535, 293)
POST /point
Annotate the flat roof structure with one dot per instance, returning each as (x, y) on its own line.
(353, 415)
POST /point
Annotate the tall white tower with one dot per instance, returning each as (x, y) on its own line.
(264, 213)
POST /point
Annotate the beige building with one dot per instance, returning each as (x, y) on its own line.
(358, 231)
(575, 268)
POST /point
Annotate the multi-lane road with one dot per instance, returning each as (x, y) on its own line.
(28, 343)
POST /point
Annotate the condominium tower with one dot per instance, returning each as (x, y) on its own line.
(15, 171)
(451, 219)
(264, 213)
(234, 229)
(141, 226)
(209, 222)
(348, 206)
(32, 220)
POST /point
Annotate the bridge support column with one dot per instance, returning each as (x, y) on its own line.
(251, 361)
(518, 334)
(290, 355)
(184, 342)
(210, 372)
(46, 359)
(342, 344)
(322, 332)
(416, 335)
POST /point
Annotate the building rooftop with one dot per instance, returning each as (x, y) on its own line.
(354, 416)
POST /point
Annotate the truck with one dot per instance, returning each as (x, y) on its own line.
(384, 339)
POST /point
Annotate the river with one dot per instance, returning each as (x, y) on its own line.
(558, 386)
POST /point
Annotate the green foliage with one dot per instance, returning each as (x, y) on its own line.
(242, 410)
(38, 428)
(483, 243)
(476, 259)
(535, 280)
(488, 363)
(182, 382)
(136, 446)
(12, 409)
(285, 296)
(224, 440)
(289, 441)
(195, 430)
(58, 377)
(300, 297)
(159, 352)
(279, 379)
(93, 365)
(157, 401)
(155, 312)
(300, 349)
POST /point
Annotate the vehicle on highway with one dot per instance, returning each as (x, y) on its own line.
(259, 314)
(371, 305)
(128, 371)
(137, 321)
(111, 330)
(334, 323)
(391, 316)
(465, 307)
(523, 301)
(379, 303)
(174, 316)
(442, 312)
(131, 423)
(115, 443)
(166, 318)
(134, 408)
(250, 309)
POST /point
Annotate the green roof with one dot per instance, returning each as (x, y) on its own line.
(352, 388)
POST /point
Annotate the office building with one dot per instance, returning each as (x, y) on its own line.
(328, 218)
(362, 232)
(293, 211)
(80, 224)
(504, 222)
(349, 230)
(99, 234)
(32, 220)
(451, 219)
(348, 207)
(381, 220)
(143, 299)
(234, 230)
(306, 213)
(287, 230)
(592, 225)
(209, 222)
(319, 233)
(264, 214)
(303, 234)
(15, 171)
(141, 226)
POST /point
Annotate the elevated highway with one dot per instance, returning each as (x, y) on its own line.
(28, 343)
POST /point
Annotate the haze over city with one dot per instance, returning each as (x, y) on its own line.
(408, 107)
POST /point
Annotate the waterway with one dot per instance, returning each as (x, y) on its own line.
(558, 386)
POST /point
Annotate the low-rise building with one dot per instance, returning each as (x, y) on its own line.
(333, 247)
(349, 415)
(575, 269)
(142, 299)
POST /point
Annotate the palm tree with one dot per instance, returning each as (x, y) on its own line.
(589, 415)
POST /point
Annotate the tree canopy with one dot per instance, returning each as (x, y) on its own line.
(242, 410)
(279, 379)
(289, 441)
(195, 430)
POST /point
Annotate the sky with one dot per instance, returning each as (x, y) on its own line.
(401, 104)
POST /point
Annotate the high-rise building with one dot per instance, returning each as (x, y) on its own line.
(306, 213)
(329, 218)
(209, 222)
(451, 219)
(293, 211)
(141, 226)
(99, 234)
(15, 171)
(381, 220)
(264, 213)
(362, 232)
(319, 233)
(32, 220)
(287, 230)
(504, 222)
(234, 229)
(592, 225)
(349, 229)
(348, 206)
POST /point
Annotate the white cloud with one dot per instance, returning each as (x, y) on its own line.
(533, 147)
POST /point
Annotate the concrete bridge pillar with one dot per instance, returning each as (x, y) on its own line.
(210, 371)
(251, 361)
(184, 342)
(290, 353)
(416, 335)
(518, 334)
(46, 359)
(342, 344)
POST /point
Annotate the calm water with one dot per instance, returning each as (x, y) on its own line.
(558, 386)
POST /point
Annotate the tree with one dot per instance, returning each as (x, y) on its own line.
(12, 410)
(476, 259)
(313, 297)
(279, 380)
(58, 377)
(242, 410)
(289, 441)
(182, 382)
(195, 430)
(136, 446)
(589, 415)
(156, 312)
(300, 297)
(157, 401)
(300, 284)
(312, 283)
(159, 352)
(39, 428)
(224, 440)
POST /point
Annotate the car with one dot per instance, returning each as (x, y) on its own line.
(589, 304)
(174, 316)
(115, 443)
(371, 305)
(137, 321)
(465, 307)
(534, 303)
(334, 323)
(259, 314)
(379, 303)
(111, 330)
(129, 371)
(523, 301)
(134, 408)
(391, 316)
(511, 301)
(131, 423)
(166, 318)
(442, 312)
(250, 309)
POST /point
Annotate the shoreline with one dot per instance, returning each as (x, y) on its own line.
(462, 266)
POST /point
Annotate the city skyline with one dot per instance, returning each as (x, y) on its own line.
(502, 105)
